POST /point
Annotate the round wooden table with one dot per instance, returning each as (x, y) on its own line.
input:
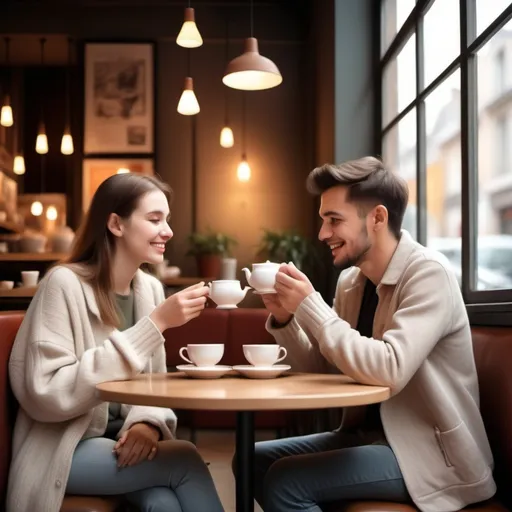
(297, 391)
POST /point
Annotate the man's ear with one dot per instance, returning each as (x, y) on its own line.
(115, 225)
(380, 217)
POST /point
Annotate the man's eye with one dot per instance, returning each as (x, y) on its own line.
(335, 221)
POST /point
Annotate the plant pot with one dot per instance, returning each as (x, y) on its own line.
(209, 265)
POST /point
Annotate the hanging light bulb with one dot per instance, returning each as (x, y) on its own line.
(36, 208)
(6, 117)
(42, 140)
(251, 71)
(123, 170)
(51, 213)
(19, 165)
(189, 36)
(244, 171)
(227, 139)
(66, 145)
(188, 104)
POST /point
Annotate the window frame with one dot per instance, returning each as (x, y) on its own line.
(487, 306)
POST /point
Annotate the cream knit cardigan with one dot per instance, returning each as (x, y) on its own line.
(62, 350)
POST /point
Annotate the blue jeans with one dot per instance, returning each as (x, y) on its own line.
(305, 473)
(176, 480)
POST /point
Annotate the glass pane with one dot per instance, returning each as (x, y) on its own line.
(399, 155)
(442, 37)
(494, 257)
(393, 15)
(442, 116)
(399, 82)
(487, 12)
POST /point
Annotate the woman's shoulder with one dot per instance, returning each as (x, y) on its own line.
(65, 276)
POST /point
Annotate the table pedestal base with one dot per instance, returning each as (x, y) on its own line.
(245, 461)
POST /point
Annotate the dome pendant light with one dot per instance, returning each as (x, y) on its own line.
(251, 71)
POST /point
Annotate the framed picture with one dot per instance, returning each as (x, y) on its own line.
(95, 171)
(119, 98)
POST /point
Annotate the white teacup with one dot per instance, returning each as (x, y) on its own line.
(264, 355)
(29, 277)
(208, 354)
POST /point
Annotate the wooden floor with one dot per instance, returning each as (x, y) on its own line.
(217, 447)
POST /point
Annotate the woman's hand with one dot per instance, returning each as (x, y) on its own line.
(180, 307)
(138, 443)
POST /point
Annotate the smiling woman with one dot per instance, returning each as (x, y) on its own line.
(98, 317)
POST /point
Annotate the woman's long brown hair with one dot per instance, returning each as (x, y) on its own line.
(94, 245)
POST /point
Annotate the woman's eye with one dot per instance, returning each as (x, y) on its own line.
(154, 221)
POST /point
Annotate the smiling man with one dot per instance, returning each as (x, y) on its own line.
(398, 320)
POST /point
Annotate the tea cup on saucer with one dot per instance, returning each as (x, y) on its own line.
(202, 355)
(264, 355)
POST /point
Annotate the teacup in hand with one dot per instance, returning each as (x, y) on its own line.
(208, 354)
(264, 355)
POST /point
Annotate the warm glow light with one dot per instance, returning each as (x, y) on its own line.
(36, 208)
(251, 71)
(19, 165)
(188, 104)
(6, 117)
(244, 171)
(189, 36)
(51, 213)
(123, 170)
(226, 137)
(66, 146)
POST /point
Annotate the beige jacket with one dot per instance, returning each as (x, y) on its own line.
(62, 350)
(422, 349)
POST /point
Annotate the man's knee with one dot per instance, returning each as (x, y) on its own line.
(261, 455)
(278, 485)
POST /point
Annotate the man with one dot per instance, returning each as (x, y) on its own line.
(398, 320)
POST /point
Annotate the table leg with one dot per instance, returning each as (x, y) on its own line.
(245, 461)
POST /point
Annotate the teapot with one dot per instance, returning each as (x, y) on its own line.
(227, 293)
(263, 276)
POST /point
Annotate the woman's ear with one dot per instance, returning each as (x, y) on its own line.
(115, 225)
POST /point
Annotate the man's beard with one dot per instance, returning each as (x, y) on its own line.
(352, 261)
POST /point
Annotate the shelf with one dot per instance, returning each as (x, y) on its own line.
(9, 227)
(32, 256)
(22, 291)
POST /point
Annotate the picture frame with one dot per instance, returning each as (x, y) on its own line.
(119, 99)
(96, 170)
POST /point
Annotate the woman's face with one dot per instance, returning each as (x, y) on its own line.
(144, 234)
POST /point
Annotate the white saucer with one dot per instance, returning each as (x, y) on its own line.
(227, 306)
(204, 372)
(264, 292)
(261, 372)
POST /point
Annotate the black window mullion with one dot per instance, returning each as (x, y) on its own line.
(421, 139)
(469, 146)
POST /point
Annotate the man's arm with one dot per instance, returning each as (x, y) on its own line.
(424, 315)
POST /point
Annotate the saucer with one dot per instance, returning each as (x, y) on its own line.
(204, 372)
(227, 306)
(262, 372)
(263, 292)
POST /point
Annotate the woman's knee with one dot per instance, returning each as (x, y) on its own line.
(184, 450)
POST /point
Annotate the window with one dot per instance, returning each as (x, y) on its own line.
(449, 81)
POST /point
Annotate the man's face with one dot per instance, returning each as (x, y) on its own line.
(344, 228)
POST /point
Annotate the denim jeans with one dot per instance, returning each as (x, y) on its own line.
(309, 472)
(176, 480)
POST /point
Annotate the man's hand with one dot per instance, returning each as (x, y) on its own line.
(273, 305)
(138, 443)
(292, 287)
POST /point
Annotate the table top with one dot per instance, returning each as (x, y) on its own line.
(232, 393)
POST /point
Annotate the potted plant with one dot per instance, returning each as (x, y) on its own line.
(209, 248)
(286, 246)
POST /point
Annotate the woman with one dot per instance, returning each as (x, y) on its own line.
(94, 318)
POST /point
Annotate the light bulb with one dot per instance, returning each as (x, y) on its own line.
(188, 104)
(19, 165)
(123, 170)
(6, 117)
(51, 213)
(36, 208)
(189, 36)
(226, 137)
(66, 146)
(244, 171)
